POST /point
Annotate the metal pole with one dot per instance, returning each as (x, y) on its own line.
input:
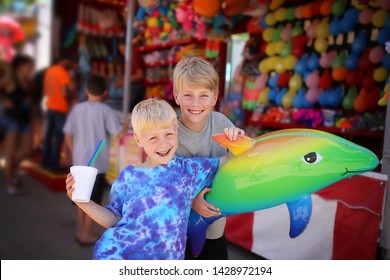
(128, 59)
(385, 232)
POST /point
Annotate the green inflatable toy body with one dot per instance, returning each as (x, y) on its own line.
(285, 166)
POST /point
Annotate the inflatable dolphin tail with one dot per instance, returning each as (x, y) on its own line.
(197, 228)
(237, 147)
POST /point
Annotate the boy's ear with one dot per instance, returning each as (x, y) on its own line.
(137, 140)
(215, 98)
(176, 99)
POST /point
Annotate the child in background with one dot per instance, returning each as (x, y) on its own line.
(86, 125)
(150, 204)
(196, 92)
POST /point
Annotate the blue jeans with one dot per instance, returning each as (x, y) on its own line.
(17, 126)
(54, 136)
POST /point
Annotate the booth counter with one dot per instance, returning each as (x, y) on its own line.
(345, 224)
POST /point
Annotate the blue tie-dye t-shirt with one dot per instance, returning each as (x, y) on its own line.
(153, 205)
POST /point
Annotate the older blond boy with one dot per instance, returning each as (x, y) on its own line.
(150, 204)
(196, 92)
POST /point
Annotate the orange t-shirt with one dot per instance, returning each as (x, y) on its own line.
(56, 77)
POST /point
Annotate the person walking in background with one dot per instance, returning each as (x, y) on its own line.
(87, 123)
(58, 94)
(18, 117)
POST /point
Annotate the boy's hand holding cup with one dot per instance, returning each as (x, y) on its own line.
(80, 182)
(81, 179)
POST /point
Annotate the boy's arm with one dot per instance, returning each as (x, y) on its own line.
(123, 132)
(98, 213)
(202, 207)
(69, 142)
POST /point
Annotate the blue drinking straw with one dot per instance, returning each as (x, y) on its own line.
(96, 153)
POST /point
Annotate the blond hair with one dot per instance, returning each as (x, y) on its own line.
(197, 72)
(152, 114)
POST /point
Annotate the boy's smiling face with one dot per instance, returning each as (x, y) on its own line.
(195, 103)
(160, 144)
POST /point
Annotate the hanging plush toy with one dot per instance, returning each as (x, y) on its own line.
(190, 20)
(11, 33)
(207, 8)
(266, 172)
(146, 7)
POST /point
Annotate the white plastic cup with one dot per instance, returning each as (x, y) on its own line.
(84, 180)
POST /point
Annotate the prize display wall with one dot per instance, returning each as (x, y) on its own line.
(321, 64)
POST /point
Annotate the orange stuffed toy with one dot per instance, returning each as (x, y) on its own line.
(207, 8)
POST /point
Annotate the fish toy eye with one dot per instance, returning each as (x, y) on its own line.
(312, 158)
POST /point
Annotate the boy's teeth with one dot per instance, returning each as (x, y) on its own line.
(163, 153)
(195, 112)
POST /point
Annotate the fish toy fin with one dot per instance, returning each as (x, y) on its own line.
(236, 147)
(300, 213)
(196, 231)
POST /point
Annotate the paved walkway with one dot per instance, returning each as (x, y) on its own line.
(41, 224)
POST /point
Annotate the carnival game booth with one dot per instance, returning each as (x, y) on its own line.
(317, 64)
(308, 64)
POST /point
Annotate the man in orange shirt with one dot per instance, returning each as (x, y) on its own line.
(56, 88)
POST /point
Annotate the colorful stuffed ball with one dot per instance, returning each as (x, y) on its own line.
(365, 16)
(379, 18)
(352, 61)
(326, 7)
(295, 82)
(289, 62)
(313, 94)
(322, 29)
(290, 14)
(270, 19)
(279, 66)
(279, 46)
(376, 54)
(380, 74)
(288, 98)
(298, 12)
(338, 7)
(339, 73)
(312, 80)
(284, 78)
(263, 66)
(270, 49)
(280, 14)
(321, 44)
(263, 96)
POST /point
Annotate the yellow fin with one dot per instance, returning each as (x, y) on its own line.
(236, 147)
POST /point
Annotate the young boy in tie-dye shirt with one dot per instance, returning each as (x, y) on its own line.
(150, 204)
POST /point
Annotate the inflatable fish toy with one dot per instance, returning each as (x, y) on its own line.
(280, 167)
